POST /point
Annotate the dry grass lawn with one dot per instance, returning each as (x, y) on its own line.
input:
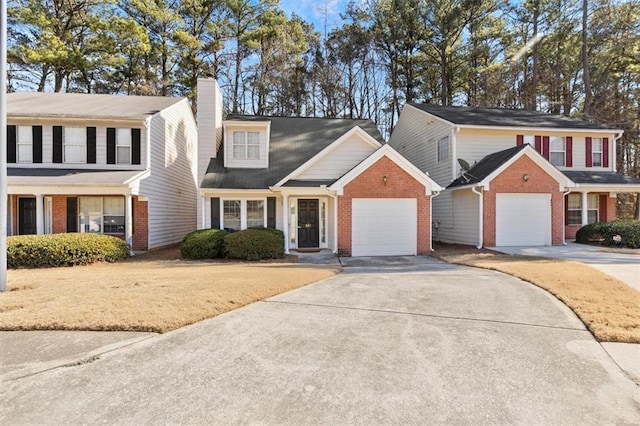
(142, 295)
(609, 308)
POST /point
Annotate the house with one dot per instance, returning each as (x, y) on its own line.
(326, 183)
(513, 177)
(119, 165)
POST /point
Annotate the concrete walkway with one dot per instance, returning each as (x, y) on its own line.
(623, 266)
(378, 344)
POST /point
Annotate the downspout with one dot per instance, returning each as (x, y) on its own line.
(564, 210)
(434, 194)
(454, 152)
(480, 215)
(615, 144)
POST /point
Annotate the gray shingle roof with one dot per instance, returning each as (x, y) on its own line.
(83, 177)
(80, 105)
(293, 141)
(505, 117)
(606, 178)
(486, 166)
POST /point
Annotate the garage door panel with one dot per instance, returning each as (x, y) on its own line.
(523, 219)
(384, 227)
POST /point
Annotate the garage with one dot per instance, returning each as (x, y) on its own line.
(384, 226)
(523, 220)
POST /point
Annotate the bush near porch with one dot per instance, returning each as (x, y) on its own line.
(620, 233)
(47, 251)
(203, 244)
(249, 244)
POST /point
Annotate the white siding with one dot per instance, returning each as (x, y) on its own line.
(416, 138)
(261, 163)
(340, 160)
(171, 189)
(474, 144)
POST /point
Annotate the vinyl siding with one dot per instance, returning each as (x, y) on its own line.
(340, 160)
(171, 188)
(474, 144)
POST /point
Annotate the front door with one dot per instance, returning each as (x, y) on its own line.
(308, 225)
(26, 216)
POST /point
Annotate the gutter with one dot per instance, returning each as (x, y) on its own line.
(480, 215)
(564, 209)
(614, 148)
(434, 194)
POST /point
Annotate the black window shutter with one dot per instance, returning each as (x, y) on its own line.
(11, 144)
(36, 132)
(111, 145)
(72, 214)
(135, 146)
(57, 144)
(91, 145)
(271, 212)
(215, 212)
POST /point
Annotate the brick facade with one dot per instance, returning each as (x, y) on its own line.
(369, 184)
(511, 181)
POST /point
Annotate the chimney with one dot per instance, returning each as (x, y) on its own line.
(209, 119)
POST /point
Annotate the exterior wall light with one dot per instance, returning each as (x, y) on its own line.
(525, 177)
(385, 179)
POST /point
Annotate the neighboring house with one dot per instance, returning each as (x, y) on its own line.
(533, 178)
(326, 183)
(119, 165)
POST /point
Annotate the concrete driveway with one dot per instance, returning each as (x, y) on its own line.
(416, 343)
(623, 266)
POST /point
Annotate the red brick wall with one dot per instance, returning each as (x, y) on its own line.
(510, 181)
(59, 213)
(140, 224)
(369, 184)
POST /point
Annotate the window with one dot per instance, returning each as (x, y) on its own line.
(574, 208)
(243, 214)
(123, 146)
(101, 215)
(75, 145)
(246, 145)
(24, 141)
(443, 149)
(596, 152)
(557, 151)
(529, 140)
(255, 214)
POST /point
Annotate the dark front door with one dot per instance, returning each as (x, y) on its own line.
(26, 216)
(308, 229)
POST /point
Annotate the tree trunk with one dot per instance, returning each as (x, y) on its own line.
(586, 77)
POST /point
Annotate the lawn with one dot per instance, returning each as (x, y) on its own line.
(147, 294)
(608, 307)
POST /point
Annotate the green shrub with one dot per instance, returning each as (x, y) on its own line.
(255, 244)
(203, 244)
(627, 231)
(43, 251)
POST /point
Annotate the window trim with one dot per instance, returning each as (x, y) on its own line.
(439, 151)
(119, 145)
(245, 144)
(20, 130)
(564, 150)
(66, 144)
(594, 152)
(243, 210)
(102, 215)
(596, 209)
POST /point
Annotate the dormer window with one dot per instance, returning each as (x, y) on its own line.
(246, 145)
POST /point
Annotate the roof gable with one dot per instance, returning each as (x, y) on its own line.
(507, 117)
(487, 169)
(387, 151)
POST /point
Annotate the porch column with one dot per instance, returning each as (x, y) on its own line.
(285, 222)
(39, 214)
(128, 226)
(583, 206)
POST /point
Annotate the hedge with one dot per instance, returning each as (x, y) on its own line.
(621, 233)
(255, 244)
(53, 250)
(203, 244)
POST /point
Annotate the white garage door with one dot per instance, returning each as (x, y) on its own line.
(383, 226)
(523, 220)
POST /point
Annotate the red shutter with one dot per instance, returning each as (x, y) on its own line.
(589, 159)
(602, 208)
(539, 144)
(519, 140)
(605, 152)
(545, 147)
(568, 151)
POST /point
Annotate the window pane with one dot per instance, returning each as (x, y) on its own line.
(253, 138)
(74, 154)
(443, 149)
(238, 151)
(575, 201)
(253, 151)
(238, 138)
(231, 217)
(114, 206)
(255, 213)
(597, 159)
(556, 144)
(123, 137)
(75, 135)
(90, 205)
(530, 140)
(575, 217)
(596, 144)
(557, 158)
(592, 216)
(113, 225)
(25, 153)
(25, 134)
(123, 155)
(592, 201)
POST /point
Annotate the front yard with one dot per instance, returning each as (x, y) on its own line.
(142, 295)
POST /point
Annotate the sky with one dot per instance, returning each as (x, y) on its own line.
(318, 12)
